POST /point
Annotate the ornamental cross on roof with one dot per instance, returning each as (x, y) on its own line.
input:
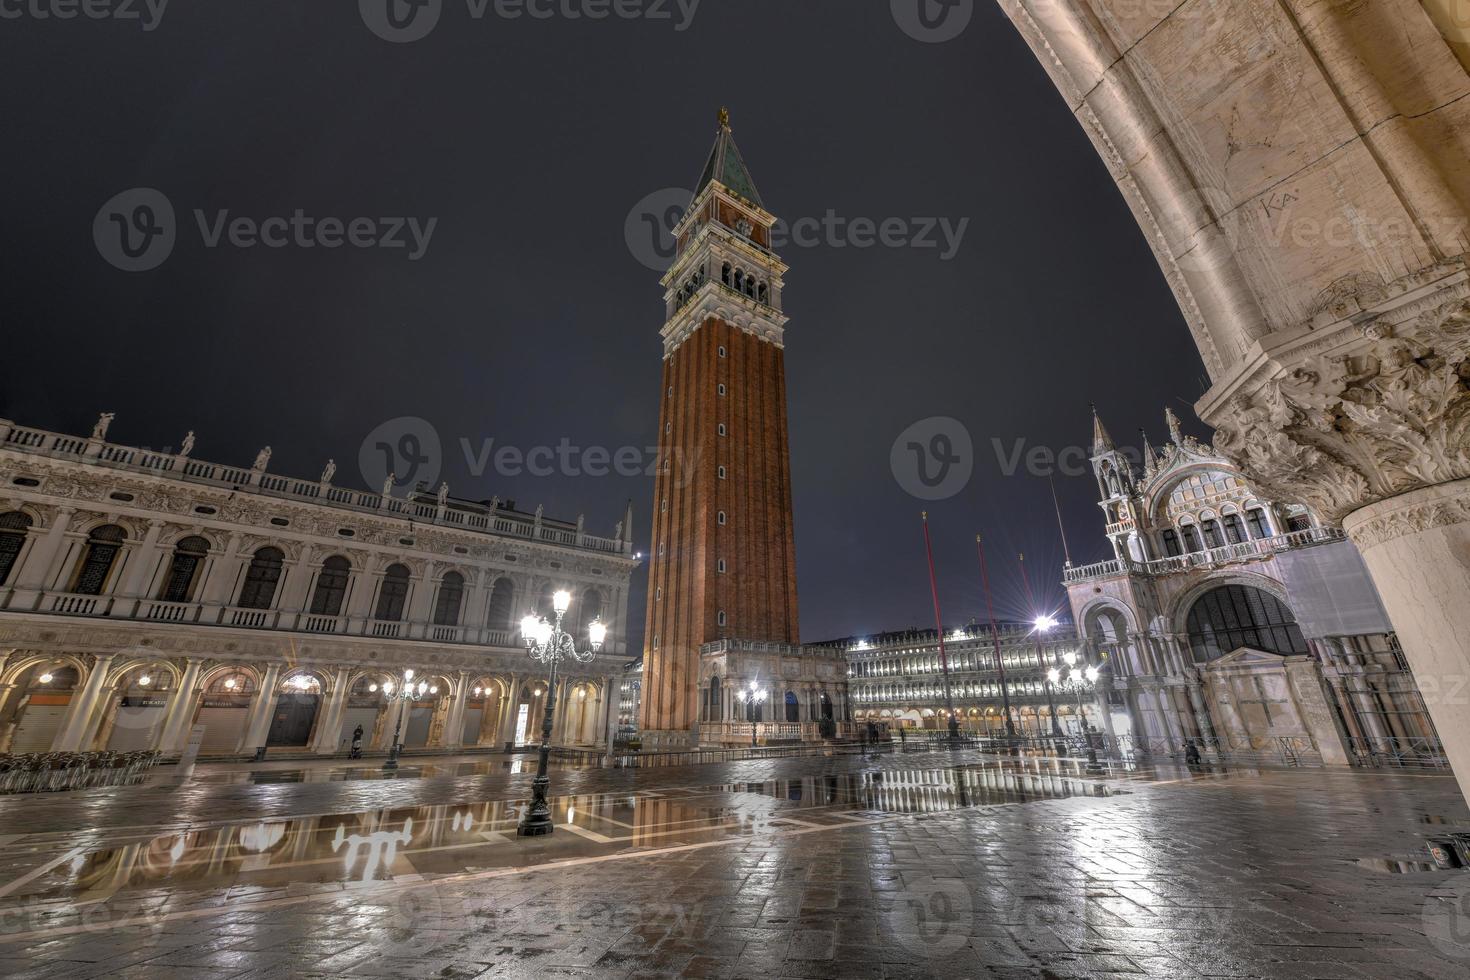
(726, 166)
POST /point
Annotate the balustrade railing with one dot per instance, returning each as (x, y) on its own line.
(185, 468)
(1254, 549)
(209, 614)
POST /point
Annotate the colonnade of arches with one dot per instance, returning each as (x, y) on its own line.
(726, 699)
(1029, 720)
(136, 702)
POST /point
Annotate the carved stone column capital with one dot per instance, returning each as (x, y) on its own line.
(1440, 506)
(1342, 426)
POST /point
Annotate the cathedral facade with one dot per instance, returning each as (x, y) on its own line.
(1228, 616)
(146, 594)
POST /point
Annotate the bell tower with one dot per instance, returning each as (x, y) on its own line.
(723, 561)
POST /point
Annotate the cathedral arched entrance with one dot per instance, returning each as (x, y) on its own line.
(1228, 617)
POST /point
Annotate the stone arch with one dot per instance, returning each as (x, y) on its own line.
(128, 720)
(1178, 615)
(15, 700)
(1090, 615)
(170, 537)
(15, 668)
(428, 713)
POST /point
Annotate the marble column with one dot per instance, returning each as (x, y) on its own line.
(181, 710)
(329, 718)
(454, 726)
(81, 715)
(261, 709)
(1417, 549)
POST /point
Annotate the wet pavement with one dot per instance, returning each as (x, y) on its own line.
(923, 864)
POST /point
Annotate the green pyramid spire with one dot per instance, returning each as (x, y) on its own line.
(726, 166)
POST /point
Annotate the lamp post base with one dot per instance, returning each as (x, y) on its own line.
(537, 819)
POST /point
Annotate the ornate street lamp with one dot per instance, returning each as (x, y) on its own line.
(1077, 680)
(406, 692)
(549, 644)
(753, 699)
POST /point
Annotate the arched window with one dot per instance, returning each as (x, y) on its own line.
(502, 604)
(793, 707)
(331, 587)
(725, 274)
(1171, 543)
(1260, 527)
(184, 569)
(545, 607)
(740, 280)
(1234, 616)
(1234, 530)
(761, 293)
(101, 554)
(392, 594)
(1191, 537)
(1212, 534)
(13, 528)
(261, 579)
(446, 606)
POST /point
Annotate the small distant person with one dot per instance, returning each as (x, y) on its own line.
(903, 735)
(357, 742)
(1191, 753)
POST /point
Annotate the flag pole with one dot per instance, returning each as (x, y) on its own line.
(954, 725)
(1005, 698)
(1066, 552)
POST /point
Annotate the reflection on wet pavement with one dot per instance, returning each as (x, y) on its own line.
(260, 859)
(1397, 866)
(338, 774)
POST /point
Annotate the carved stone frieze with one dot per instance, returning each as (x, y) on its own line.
(1451, 507)
(1339, 431)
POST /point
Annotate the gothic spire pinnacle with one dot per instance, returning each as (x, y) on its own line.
(1148, 450)
(726, 166)
(1101, 441)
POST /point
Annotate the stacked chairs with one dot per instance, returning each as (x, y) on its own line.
(50, 772)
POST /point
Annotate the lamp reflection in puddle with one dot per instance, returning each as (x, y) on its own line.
(382, 846)
(262, 837)
(177, 851)
(463, 821)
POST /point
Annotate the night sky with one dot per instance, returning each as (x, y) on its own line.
(528, 319)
